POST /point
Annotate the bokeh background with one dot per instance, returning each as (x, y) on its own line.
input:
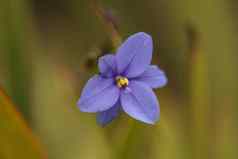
(49, 49)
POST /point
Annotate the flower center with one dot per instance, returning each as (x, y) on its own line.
(122, 82)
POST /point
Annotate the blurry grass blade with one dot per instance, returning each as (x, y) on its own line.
(16, 139)
(14, 37)
(200, 105)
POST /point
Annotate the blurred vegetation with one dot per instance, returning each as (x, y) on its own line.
(49, 49)
(16, 138)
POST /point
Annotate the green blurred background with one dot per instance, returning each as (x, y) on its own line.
(49, 49)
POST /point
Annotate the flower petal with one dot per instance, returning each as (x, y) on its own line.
(153, 76)
(140, 102)
(105, 117)
(134, 55)
(99, 94)
(107, 65)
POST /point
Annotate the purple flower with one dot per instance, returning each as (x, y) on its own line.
(125, 83)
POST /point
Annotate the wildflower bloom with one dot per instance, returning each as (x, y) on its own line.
(125, 83)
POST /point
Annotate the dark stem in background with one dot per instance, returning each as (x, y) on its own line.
(109, 21)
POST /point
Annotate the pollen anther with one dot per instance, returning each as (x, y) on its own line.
(122, 81)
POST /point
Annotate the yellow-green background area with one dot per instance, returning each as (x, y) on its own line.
(49, 49)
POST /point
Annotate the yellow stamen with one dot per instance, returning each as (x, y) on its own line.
(122, 81)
